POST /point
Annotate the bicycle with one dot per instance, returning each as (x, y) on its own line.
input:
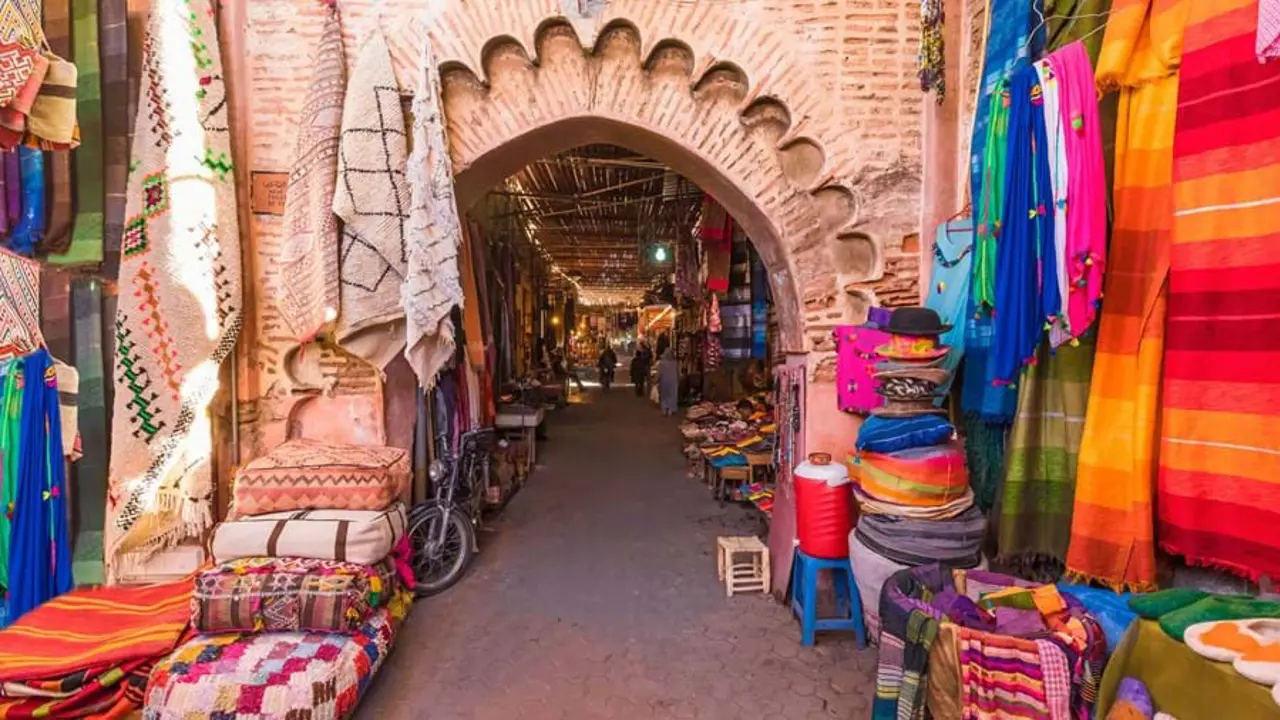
(442, 531)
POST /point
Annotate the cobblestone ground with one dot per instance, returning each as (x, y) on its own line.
(595, 596)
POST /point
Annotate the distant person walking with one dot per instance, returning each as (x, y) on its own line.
(640, 364)
(669, 383)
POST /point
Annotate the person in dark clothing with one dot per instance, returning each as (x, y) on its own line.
(607, 363)
(640, 365)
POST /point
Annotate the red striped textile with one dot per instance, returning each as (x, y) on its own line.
(1218, 501)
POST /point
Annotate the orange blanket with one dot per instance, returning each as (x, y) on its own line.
(81, 653)
(1112, 529)
(1219, 500)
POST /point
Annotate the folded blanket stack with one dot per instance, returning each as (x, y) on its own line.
(312, 558)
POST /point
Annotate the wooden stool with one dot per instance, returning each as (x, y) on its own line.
(749, 575)
(737, 473)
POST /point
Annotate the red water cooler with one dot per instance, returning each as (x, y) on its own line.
(824, 507)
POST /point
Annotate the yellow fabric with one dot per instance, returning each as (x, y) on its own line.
(1112, 537)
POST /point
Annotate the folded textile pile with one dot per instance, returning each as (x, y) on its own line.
(969, 643)
(309, 573)
(89, 652)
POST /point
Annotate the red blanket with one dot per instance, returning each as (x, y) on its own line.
(89, 652)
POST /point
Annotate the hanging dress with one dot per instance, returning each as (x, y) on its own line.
(40, 553)
(1112, 536)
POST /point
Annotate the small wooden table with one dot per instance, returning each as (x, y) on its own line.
(525, 422)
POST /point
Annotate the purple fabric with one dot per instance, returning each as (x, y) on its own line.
(856, 361)
(878, 316)
(12, 188)
(1018, 622)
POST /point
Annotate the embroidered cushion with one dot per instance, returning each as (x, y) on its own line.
(285, 594)
(891, 434)
(314, 475)
(856, 360)
(358, 536)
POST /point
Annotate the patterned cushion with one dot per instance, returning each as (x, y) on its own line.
(312, 475)
(358, 536)
(272, 675)
(283, 594)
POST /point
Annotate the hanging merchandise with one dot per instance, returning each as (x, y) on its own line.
(1040, 475)
(1026, 283)
(1055, 153)
(180, 293)
(10, 449)
(306, 286)
(1008, 42)
(53, 118)
(736, 337)
(13, 116)
(1086, 222)
(1218, 502)
(1067, 21)
(114, 40)
(739, 269)
(39, 545)
(856, 359)
(1268, 39)
(472, 330)
(949, 294)
(991, 201)
(759, 308)
(87, 232)
(1111, 528)
(12, 188)
(716, 233)
(372, 200)
(30, 227)
(932, 57)
(431, 285)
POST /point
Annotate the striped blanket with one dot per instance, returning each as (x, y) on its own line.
(1001, 677)
(1218, 500)
(1111, 531)
(89, 651)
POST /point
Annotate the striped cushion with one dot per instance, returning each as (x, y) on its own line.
(890, 434)
(922, 477)
(358, 536)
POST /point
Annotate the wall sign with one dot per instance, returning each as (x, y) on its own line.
(267, 191)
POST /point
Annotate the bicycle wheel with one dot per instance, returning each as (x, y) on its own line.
(439, 563)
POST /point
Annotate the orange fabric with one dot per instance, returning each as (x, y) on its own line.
(1112, 536)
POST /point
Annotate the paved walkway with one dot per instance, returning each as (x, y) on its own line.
(595, 596)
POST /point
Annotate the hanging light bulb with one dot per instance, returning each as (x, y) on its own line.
(660, 254)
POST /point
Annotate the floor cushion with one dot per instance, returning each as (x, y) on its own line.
(311, 475)
(358, 536)
(286, 594)
(272, 676)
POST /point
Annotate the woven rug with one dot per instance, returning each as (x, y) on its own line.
(432, 286)
(1218, 502)
(1268, 41)
(87, 233)
(180, 295)
(20, 312)
(1111, 528)
(307, 293)
(372, 199)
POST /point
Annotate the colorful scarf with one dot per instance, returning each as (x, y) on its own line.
(759, 307)
(1267, 46)
(39, 547)
(306, 287)
(432, 286)
(911, 541)
(10, 422)
(1008, 28)
(87, 234)
(180, 308)
(1218, 501)
(57, 29)
(1111, 528)
(991, 201)
(1040, 479)
(949, 293)
(1001, 676)
(1067, 21)
(716, 233)
(1086, 223)
(932, 59)
(1026, 282)
(1056, 153)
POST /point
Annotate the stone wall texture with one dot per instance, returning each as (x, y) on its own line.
(803, 116)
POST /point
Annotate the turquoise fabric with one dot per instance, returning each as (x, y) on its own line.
(949, 291)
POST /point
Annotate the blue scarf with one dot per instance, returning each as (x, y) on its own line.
(1026, 276)
(40, 553)
(1009, 22)
(949, 294)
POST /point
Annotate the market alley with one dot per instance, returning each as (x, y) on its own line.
(595, 596)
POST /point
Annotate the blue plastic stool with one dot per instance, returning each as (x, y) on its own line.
(804, 598)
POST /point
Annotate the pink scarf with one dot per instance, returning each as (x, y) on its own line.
(1268, 30)
(1086, 185)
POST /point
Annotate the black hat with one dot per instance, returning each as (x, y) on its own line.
(916, 321)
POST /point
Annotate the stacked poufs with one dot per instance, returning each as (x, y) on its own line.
(307, 590)
(910, 478)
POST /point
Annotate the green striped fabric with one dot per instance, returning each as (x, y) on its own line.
(86, 236)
